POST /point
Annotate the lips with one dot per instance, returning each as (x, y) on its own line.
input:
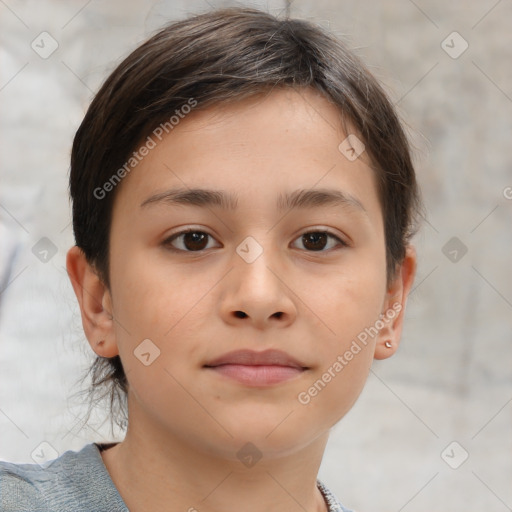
(257, 369)
(252, 358)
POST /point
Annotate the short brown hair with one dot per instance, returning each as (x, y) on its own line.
(221, 56)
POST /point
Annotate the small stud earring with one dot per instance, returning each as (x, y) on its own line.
(388, 344)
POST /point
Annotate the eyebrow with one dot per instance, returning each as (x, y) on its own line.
(302, 198)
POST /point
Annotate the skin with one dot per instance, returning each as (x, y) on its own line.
(187, 423)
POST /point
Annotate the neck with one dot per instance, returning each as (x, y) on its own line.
(162, 473)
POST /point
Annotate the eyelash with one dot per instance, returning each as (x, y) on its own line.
(168, 242)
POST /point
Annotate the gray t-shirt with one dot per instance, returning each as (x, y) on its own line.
(75, 482)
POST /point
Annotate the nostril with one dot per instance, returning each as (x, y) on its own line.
(241, 314)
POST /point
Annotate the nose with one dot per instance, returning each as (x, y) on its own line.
(257, 293)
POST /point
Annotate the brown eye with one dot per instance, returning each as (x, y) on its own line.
(319, 240)
(188, 241)
(314, 241)
(193, 240)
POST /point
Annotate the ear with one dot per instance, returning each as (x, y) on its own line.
(95, 303)
(393, 310)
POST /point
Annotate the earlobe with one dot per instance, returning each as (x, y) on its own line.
(393, 312)
(95, 303)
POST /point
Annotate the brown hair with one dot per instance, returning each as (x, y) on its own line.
(223, 56)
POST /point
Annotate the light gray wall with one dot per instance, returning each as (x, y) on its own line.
(451, 379)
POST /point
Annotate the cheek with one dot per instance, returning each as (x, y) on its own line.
(152, 298)
(159, 302)
(345, 360)
(349, 304)
(335, 389)
(155, 302)
(350, 299)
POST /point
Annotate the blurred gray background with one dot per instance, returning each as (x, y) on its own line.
(433, 428)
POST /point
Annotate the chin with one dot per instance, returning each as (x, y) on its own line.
(272, 438)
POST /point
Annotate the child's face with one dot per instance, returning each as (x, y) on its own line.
(310, 304)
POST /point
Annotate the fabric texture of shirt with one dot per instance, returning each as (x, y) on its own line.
(77, 481)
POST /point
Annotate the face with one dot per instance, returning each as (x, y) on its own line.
(250, 307)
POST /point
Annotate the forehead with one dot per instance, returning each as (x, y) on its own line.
(261, 147)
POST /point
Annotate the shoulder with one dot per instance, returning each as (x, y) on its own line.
(48, 487)
(20, 488)
(332, 502)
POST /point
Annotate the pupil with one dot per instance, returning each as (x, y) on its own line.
(195, 240)
(315, 238)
